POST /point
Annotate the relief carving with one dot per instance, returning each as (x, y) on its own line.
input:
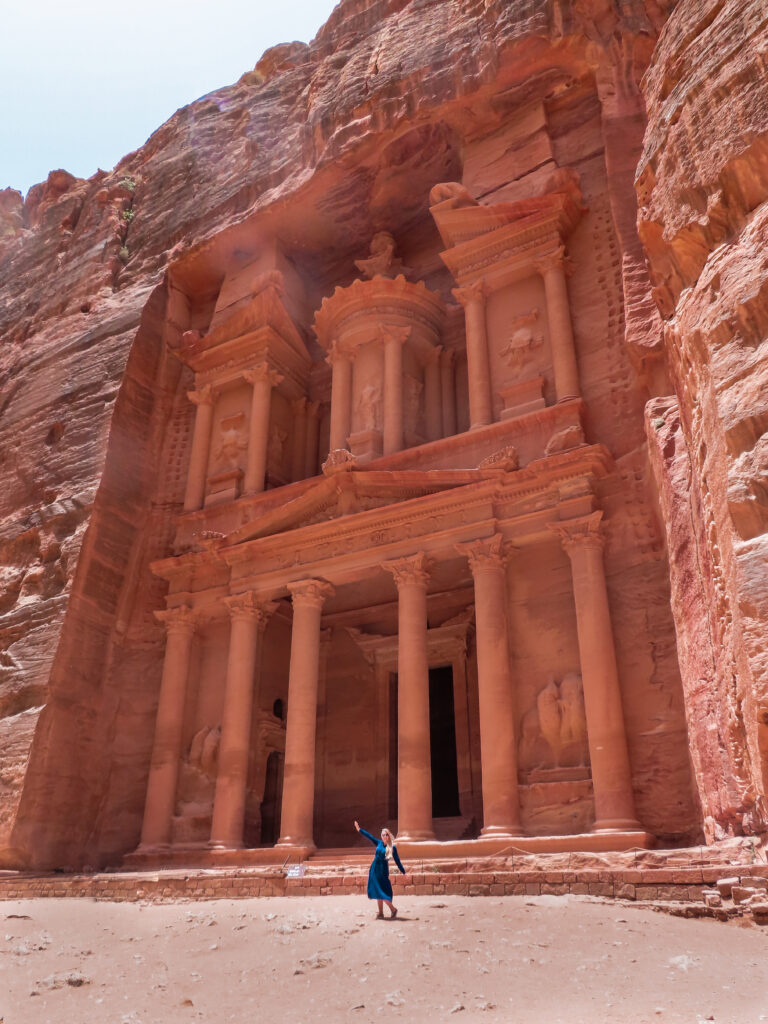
(522, 339)
(553, 735)
(197, 779)
(369, 407)
(231, 442)
(564, 440)
(382, 261)
(277, 439)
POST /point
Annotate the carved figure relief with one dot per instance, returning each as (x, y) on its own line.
(382, 261)
(231, 442)
(277, 439)
(197, 782)
(522, 339)
(554, 732)
(369, 407)
(412, 400)
(565, 439)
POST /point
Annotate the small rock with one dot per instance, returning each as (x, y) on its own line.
(458, 1008)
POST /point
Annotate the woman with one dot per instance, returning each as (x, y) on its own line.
(379, 885)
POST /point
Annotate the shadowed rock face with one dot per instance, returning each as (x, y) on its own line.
(702, 186)
(322, 146)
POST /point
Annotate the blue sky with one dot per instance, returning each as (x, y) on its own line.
(85, 82)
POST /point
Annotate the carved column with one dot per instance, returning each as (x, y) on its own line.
(310, 450)
(472, 298)
(299, 779)
(341, 396)
(498, 744)
(166, 750)
(299, 443)
(448, 389)
(433, 395)
(393, 341)
(564, 366)
(263, 380)
(414, 770)
(201, 443)
(609, 758)
(249, 619)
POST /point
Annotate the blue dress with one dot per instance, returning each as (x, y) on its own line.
(379, 885)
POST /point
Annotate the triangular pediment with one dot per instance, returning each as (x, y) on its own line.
(349, 493)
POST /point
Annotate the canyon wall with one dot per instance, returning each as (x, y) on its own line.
(330, 142)
(702, 187)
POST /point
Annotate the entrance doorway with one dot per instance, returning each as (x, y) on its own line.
(270, 805)
(442, 744)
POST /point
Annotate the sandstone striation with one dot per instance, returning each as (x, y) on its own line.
(138, 475)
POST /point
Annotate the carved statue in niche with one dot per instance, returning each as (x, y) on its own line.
(522, 339)
(231, 442)
(565, 439)
(277, 439)
(412, 401)
(382, 262)
(369, 407)
(197, 776)
(554, 733)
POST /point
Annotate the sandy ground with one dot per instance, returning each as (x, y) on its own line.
(523, 960)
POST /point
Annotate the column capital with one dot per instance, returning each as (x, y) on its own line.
(486, 553)
(299, 406)
(469, 293)
(447, 356)
(396, 335)
(414, 569)
(556, 260)
(260, 372)
(310, 593)
(202, 395)
(339, 353)
(180, 619)
(248, 606)
(584, 532)
(312, 408)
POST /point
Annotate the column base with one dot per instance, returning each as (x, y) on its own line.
(144, 848)
(616, 825)
(221, 844)
(303, 846)
(501, 832)
(415, 836)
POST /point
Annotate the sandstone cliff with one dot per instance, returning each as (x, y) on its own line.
(703, 191)
(332, 141)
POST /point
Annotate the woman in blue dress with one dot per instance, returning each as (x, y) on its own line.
(379, 885)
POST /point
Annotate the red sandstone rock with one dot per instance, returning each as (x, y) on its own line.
(247, 212)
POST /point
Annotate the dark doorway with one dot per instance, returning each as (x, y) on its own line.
(442, 741)
(270, 805)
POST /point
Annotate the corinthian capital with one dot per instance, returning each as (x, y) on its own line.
(337, 352)
(248, 606)
(469, 293)
(180, 619)
(202, 395)
(551, 261)
(486, 553)
(310, 593)
(261, 372)
(395, 335)
(584, 532)
(415, 569)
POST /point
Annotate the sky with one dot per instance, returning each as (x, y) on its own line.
(85, 82)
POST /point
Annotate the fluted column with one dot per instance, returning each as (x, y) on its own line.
(248, 621)
(564, 366)
(472, 298)
(299, 779)
(609, 758)
(310, 449)
(201, 443)
(433, 395)
(414, 770)
(341, 396)
(262, 380)
(393, 340)
(166, 750)
(448, 389)
(299, 445)
(498, 744)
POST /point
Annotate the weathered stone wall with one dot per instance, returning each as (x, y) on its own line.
(702, 186)
(331, 139)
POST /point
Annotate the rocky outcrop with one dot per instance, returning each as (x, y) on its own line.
(702, 186)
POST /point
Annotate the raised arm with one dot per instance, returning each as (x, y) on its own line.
(397, 860)
(366, 834)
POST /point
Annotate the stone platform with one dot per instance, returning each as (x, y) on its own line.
(681, 876)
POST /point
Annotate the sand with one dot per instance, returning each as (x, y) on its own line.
(523, 960)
